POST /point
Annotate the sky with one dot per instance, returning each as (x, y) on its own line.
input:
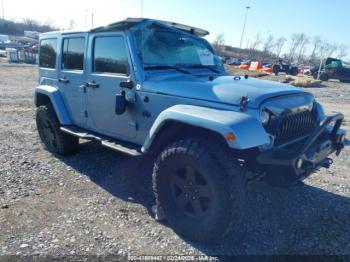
(327, 19)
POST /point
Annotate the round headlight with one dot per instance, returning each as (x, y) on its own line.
(299, 163)
(265, 117)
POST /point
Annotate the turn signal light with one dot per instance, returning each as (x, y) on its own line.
(230, 137)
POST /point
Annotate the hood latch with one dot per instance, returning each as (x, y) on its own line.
(244, 103)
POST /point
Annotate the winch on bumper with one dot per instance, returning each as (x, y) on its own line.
(296, 161)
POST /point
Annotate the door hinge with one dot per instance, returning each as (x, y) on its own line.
(86, 113)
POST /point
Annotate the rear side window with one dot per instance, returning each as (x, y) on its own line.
(73, 53)
(48, 51)
(110, 55)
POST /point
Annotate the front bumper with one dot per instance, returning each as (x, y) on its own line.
(298, 160)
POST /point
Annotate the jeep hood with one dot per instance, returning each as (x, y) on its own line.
(224, 89)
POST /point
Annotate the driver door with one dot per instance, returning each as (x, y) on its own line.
(108, 67)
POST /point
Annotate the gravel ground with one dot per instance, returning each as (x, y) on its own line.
(99, 202)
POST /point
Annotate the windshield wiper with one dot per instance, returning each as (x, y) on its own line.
(160, 67)
(204, 67)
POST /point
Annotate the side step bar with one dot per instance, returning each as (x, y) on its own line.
(114, 144)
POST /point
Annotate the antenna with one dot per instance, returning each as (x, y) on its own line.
(92, 20)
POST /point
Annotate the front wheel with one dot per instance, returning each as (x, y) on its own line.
(200, 189)
(324, 77)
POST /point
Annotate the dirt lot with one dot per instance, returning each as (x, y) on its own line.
(99, 202)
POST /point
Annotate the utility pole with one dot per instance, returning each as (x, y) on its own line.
(3, 11)
(244, 24)
(86, 18)
(141, 8)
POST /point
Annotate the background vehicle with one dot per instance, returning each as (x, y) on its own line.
(234, 61)
(151, 87)
(304, 69)
(283, 67)
(334, 69)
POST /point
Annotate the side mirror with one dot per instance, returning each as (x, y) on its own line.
(127, 84)
(120, 103)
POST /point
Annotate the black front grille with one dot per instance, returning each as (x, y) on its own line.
(287, 127)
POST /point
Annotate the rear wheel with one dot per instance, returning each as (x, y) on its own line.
(50, 134)
(200, 189)
(276, 69)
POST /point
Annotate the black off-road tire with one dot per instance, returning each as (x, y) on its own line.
(293, 71)
(324, 77)
(223, 174)
(276, 69)
(50, 134)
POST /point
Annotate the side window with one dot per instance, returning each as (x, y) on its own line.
(110, 55)
(73, 53)
(48, 51)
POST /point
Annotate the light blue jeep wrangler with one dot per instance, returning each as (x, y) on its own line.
(144, 86)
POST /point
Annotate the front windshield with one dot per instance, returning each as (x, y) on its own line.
(162, 46)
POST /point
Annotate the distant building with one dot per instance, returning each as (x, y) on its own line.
(31, 34)
(4, 38)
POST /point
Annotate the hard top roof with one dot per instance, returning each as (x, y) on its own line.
(131, 22)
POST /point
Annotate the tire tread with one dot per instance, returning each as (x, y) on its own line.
(232, 179)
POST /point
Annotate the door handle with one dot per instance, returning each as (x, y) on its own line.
(63, 80)
(92, 84)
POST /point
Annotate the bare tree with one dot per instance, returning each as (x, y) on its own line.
(297, 51)
(342, 51)
(48, 22)
(30, 24)
(254, 46)
(72, 24)
(331, 49)
(294, 43)
(279, 44)
(219, 43)
(322, 51)
(268, 45)
(248, 44)
(316, 45)
(303, 42)
(17, 28)
(297, 47)
(256, 42)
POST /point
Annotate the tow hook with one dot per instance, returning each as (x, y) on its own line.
(327, 163)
